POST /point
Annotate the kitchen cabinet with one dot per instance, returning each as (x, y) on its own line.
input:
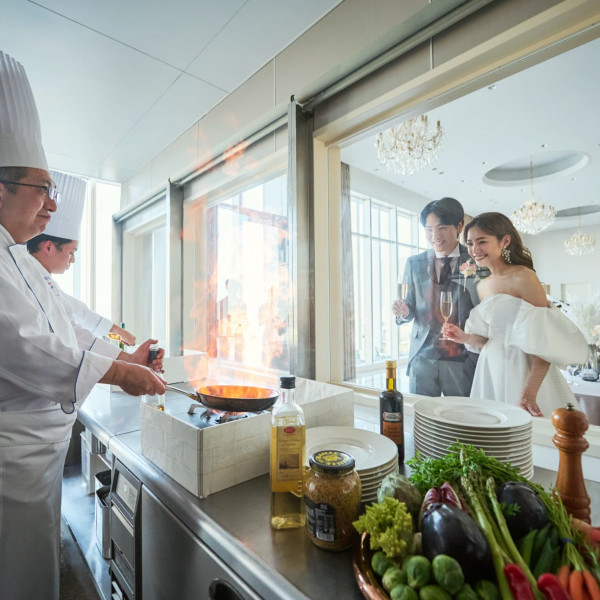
(176, 564)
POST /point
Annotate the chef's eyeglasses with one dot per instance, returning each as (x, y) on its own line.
(50, 190)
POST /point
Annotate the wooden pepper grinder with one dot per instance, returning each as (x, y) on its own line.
(570, 425)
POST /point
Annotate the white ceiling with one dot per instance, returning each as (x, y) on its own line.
(555, 103)
(116, 81)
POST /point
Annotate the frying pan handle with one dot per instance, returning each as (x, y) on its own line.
(176, 389)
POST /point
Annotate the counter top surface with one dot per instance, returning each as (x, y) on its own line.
(235, 521)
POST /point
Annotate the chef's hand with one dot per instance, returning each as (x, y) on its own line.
(141, 355)
(400, 309)
(453, 332)
(134, 379)
(528, 402)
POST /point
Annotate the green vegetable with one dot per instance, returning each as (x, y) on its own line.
(508, 541)
(418, 571)
(466, 592)
(392, 577)
(540, 541)
(434, 592)
(400, 487)
(448, 574)
(486, 590)
(545, 560)
(403, 592)
(380, 563)
(526, 546)
(389, 526)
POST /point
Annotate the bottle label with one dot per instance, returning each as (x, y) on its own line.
(289, 454)
(392, 427)
(320, 520)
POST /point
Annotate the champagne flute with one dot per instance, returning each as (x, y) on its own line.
(445, 307)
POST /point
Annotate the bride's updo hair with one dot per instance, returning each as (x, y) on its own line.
(499, 225)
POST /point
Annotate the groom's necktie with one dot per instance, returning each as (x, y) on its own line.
(446, 270)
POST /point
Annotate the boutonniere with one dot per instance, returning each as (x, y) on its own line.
(468, 268)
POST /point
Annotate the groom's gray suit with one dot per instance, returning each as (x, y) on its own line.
(435, 368)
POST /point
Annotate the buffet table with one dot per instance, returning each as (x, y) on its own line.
(587, 394)
(233, 523)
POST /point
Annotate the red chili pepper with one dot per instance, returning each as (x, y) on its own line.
(519, 585)
(551, 587)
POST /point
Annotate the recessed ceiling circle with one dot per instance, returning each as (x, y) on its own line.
(578, 211)
(546, 166)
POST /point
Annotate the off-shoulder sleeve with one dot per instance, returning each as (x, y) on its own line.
(477, 325)
(549, 334)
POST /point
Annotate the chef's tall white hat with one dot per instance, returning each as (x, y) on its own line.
(20, 132)
(66, 221)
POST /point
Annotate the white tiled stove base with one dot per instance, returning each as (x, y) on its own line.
(205, 461)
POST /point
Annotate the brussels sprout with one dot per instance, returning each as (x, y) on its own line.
(447, 572)
(486, 590)
(434, 592)
(392, 577)
(418, 571)
(380, 563)
(403, 592)
(466, 592)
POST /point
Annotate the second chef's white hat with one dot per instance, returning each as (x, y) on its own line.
(66, 221)
(20, 132)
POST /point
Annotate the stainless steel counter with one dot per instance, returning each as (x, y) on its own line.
(234, 523)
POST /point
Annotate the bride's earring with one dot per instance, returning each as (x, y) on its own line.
(506, 255)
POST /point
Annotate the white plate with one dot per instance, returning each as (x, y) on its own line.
(483, 431)
(491, 440)
(370, 450)
(472, 412)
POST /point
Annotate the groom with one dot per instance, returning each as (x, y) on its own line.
(438, 366)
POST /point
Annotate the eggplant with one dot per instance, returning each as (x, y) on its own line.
(449, 530)
(532, 513)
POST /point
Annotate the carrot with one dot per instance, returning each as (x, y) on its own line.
(563, 576)
(576, 585)
(591, 585)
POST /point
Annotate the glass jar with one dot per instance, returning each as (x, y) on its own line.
(332, 492)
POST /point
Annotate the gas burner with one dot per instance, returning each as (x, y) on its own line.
(211, 416)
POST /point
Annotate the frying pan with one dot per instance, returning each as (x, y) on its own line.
(232, 398)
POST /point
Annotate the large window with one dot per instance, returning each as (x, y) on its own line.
(383, 237)
(242, 292)
(90, 277)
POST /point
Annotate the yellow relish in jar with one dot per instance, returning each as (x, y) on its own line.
(332, 494)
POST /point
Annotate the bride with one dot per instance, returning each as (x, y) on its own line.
(521, 339)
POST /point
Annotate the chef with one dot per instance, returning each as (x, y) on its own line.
(55, 250)
(44, 375)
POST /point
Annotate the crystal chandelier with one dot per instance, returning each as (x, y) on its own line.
(580, 243)
(532, 217)
(410, 146)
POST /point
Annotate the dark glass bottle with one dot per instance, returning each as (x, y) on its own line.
(391, 410)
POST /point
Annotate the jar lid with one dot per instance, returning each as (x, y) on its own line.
(331, 461)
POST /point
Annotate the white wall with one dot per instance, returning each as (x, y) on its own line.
(380, 189)
(555, 267)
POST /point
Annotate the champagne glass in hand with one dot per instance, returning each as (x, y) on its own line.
(399, 307)
(445, 307)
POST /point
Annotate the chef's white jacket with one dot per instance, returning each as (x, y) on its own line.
(44, 374)
(87, 318)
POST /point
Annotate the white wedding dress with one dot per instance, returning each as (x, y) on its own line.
(516, 331)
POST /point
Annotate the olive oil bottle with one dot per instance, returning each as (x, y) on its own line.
(288, 435)
(391, 410)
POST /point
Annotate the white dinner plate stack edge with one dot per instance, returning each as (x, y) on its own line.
(376, 456)
(501, 430)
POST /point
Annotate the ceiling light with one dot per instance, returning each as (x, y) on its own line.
(532, 217)
(580, 243)
(410, 146)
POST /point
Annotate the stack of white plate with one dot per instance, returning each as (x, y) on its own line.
(376, 456)
(501, 430)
